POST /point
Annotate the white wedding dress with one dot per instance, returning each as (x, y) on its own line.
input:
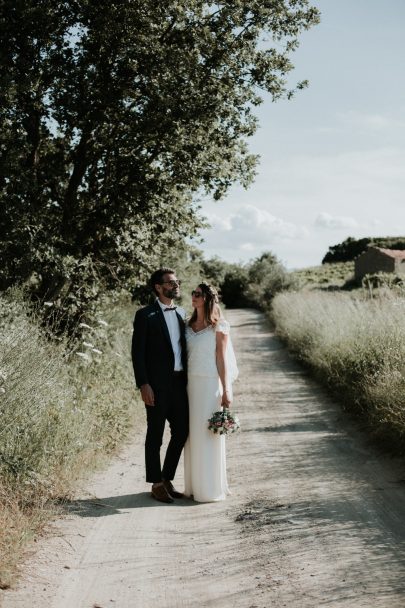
(204, 453)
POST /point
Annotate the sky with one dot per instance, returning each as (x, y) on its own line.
(332, 158)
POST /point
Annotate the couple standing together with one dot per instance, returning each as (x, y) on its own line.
(184, 369)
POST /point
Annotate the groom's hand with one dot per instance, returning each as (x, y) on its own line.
(147, 394)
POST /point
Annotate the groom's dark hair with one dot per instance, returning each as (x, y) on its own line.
(157, 277)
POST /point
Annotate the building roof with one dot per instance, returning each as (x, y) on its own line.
(398, 254)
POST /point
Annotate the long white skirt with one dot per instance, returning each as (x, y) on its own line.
(204, 452)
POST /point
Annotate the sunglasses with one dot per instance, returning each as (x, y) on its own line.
(173, 283)
(197, 294)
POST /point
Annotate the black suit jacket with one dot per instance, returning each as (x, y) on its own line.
(152, 352)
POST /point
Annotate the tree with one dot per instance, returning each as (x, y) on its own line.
(248, 285)
(234, 287)
(114, 115)
(214, 270)
(266, 277)
(350, 248)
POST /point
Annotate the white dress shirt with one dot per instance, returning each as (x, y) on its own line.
(173, 326)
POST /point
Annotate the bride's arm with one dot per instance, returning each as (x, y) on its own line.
(221, 342)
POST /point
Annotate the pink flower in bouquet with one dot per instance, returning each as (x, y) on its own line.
(223, 423)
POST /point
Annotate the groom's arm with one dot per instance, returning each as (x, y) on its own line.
(139, 337)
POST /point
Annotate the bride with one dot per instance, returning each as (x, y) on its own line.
(211, 371)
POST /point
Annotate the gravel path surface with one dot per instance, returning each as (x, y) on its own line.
(316, 516)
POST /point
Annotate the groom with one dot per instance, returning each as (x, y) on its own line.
(160, 363)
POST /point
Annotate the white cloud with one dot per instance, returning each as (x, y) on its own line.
(370, 121)
(334, 222)
(305, 203)
(247, 231)
(249, 227)
(219, 223)
(247, 247)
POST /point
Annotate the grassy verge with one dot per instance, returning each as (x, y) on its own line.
(324, 276)
(356, 346)
(61, 414)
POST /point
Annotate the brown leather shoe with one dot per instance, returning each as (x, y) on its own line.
(172, 491)
(160, 493)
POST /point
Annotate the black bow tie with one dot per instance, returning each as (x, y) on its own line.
(172, 308)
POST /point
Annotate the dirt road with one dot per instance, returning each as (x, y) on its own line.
(316, 517)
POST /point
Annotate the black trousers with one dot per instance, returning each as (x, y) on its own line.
(171, 404)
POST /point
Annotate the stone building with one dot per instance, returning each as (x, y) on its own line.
(377, 259)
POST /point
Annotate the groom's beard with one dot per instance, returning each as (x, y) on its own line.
(173, 293)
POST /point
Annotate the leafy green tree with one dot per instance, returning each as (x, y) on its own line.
(266, 277)
(351, 247)
(234, 288)
(214, 270)
(113, 116)
(253, 284)
(346, 251)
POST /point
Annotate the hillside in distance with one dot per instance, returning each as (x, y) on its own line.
(327, 276)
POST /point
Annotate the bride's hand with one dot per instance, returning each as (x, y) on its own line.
(225, 401)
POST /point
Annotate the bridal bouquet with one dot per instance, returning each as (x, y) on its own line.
(223, 422)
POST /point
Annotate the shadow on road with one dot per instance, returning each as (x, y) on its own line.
(117, 505)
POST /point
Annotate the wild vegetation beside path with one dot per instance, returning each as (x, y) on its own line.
(63, 407)
(356, 346)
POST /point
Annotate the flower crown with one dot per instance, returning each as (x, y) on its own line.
(209, 290)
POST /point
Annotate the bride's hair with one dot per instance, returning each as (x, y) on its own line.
(212, 311)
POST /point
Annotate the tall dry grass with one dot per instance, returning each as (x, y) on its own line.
(62, 408)
(356, 346)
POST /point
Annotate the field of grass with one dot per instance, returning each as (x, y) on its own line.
(63, 408)
(325, 275)
(356, 346)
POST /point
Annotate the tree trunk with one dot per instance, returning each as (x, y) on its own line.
(79, 169)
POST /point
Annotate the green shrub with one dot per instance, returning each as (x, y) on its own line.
(234, 288)
(249, 285)
(382, 279)
(267, 277)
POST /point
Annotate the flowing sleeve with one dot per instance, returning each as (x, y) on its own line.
(223, 326)
(231, 365)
